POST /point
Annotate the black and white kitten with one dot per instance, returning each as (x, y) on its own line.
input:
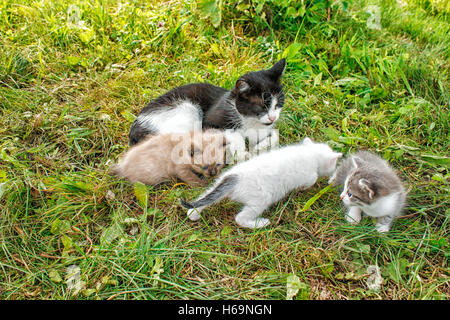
(371, 186)
(254, 103)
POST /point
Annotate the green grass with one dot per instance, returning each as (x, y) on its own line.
(72, 78)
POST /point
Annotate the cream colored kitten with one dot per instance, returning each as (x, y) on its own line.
(191, 156)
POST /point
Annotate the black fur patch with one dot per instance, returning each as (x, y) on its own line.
(185, 204)
(219, 192)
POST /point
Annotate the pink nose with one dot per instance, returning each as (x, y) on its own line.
(342, 197)
(272, 119)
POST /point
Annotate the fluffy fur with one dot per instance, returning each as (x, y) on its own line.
(191, 156)
(254, 103)
(267, 178)
(371, 186)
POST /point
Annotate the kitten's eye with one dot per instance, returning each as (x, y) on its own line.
(218, 165)
(260, 110)
(267, 98)
(205, 167)
(349, 194)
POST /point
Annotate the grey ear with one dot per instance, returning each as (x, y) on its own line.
(365, 185)
(357, 162)
(277, 70)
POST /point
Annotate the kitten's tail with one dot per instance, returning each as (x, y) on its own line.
(214, 195)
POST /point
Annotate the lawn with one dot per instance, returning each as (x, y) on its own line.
(74, 74)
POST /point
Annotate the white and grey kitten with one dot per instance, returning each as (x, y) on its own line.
(267, 178)
(371, 186)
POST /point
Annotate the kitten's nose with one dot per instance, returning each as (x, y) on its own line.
(342, 196)
(272, 118)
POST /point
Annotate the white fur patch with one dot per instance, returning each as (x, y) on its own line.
(388, 205)
(184, 117)
(235, 150)
(254, 130)
(274, 112)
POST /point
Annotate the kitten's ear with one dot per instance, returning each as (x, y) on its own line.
(241, 86)
(307, 141)
(365, 185)
(277, 70)
(357, 162)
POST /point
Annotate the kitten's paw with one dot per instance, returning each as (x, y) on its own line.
(253, 224)
(353, 215)
(261, 223)
(332, 178)
(384, 224)
(352, 220)
(193, 214)
(382, 228)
